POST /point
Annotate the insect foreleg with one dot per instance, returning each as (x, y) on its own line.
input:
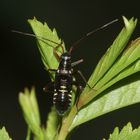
(55, 50)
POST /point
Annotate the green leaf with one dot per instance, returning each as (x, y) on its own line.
(125, 73)
(29, 106)
(113, 52)
(47, 40)
(118, 98)
(52, 125)
(4, 135)
(127, 133)
(126, 61)
(119, 69)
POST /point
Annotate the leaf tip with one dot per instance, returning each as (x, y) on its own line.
(128, 23)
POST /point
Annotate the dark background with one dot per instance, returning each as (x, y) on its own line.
(21, 65)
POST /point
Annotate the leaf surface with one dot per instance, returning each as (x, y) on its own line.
(118, 98)
(47, 40)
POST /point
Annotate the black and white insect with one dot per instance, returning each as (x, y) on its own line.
(63, 82)
(65, 74)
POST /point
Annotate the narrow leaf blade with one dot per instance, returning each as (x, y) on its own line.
(113, 52)
(135, 67)
(127, 59)
(29, 106)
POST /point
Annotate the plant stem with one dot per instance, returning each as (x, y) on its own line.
(66, 123)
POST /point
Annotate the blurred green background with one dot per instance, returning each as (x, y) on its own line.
(21, 65)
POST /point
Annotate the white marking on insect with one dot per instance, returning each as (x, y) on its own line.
(63, 87)
(69, 95)
(63, 90)
(55, 94)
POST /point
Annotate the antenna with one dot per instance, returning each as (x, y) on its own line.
(60, 44)
(89, 34)
(35, 36)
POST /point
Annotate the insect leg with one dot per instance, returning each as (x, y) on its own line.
(79, 72)
(76, 62)
(78, 91)
(60, 45)
(56, 49)
(83, 77)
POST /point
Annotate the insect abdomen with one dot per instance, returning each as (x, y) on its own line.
(62, 100)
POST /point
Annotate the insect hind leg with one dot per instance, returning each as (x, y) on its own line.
(83, 77)
(78, 92)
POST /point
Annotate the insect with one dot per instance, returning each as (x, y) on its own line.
(65, 74)
(64, 80)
